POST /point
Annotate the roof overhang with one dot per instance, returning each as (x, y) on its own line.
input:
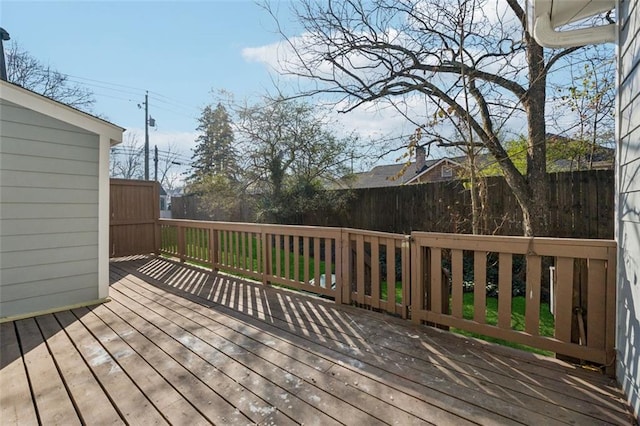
(60, 111)
(546, 16)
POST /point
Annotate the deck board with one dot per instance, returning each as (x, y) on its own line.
(49, 392)
(16, 404)
(178, 344)
(131, 403)
(152, 371)
(84, 389)
(521, 408)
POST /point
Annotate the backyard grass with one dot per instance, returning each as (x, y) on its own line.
(233, 247)
(547, 322)
(398, 291)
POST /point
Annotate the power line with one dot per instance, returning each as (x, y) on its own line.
(116, 87)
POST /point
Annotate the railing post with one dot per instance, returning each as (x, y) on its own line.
(158, 237)
(181, 243)
(156, 223)
(610, 312)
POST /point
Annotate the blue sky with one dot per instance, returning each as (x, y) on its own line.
(179, 51)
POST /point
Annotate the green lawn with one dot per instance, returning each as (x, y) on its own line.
(398, 289)
(231, 248)
(517, 320)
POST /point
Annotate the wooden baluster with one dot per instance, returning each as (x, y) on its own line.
(505, 272)
(287, 256)
(316, 260)
(375, 273)
(457, 277)
(564, 298)
(480, 286)
(360, 268)
(532, 307)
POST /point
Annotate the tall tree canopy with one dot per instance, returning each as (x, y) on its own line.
(215, 153)
(291, 153)
(473, 59)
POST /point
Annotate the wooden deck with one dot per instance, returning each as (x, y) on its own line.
(180, 345)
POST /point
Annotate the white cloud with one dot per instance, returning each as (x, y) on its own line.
(267, 54)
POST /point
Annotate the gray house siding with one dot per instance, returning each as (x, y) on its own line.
(628, 231)
(48, 212)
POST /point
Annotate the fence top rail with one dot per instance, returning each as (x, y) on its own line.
(541, 246)
(129, 182)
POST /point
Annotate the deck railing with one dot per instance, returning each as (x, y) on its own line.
(440, 279)
(580, 293)
(300, 257)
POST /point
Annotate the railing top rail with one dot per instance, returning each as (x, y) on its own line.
(542, 246)
(375, 233)
(505, 238)
(311, 231)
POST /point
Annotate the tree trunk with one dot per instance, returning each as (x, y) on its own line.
(475, 203)
(537, 152)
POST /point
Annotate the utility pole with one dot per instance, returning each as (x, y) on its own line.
(155, 160)
(146, 136)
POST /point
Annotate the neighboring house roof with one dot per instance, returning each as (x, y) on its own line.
(390, 175)
(387, 175)
(45, 105)
(416, 177)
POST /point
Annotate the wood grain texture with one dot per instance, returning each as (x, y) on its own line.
(183, 345)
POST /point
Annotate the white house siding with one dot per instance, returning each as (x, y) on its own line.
(628, 231)
(48, 212)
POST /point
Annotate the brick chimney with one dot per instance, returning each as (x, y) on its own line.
(420, 158)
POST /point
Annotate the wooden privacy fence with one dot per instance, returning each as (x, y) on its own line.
(581, 205)
(425, 276)
(134, 211)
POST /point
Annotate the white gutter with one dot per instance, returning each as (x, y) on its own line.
(551, 14)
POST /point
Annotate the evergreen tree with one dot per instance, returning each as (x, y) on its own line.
(215, 154)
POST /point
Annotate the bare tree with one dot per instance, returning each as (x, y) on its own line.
(127, 162)
(393, 50)
(28, 72)
(168, 164)
(591, 97)
(127, 159)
